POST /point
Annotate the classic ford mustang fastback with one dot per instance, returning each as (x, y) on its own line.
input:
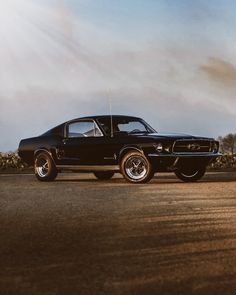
(108, 144)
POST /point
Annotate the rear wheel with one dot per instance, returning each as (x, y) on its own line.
(44, 167)
(104, 175)
(190, 174)
(136, 168)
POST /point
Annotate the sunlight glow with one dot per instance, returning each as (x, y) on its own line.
(66, 54)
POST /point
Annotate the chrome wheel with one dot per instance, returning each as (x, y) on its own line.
(42, 167)
(190, 174)
(45, 169)
(136, 167)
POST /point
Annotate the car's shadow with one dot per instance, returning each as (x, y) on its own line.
(158, 178)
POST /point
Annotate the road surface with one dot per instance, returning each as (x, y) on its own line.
(78, 235)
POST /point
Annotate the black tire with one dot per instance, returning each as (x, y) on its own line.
(136, 168)
(190, 174)
(44, 167)
(104, 175)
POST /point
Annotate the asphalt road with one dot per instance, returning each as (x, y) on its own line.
(78, 235)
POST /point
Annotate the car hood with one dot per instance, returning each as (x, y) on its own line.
(173, 136)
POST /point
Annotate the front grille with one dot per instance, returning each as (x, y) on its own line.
(192, 146)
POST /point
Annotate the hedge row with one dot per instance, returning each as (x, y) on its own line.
(12, 160)
(224, 162)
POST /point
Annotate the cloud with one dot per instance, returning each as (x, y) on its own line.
(220, 71)
(56, 65)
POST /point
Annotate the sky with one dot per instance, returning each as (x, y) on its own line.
(171, 62)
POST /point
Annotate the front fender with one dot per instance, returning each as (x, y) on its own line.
(127, 149)
(144, 148)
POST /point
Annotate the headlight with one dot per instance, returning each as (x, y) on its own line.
(159, 147)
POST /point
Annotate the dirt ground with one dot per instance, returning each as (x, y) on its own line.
(78, 235)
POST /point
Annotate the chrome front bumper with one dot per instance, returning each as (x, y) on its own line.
(186, 155)
(171, 162)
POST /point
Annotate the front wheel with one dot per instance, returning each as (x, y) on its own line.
(190, 174)
(104, 175)
(136, 168)
(44, 167)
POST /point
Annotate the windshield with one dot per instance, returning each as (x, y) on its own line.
(126, 125)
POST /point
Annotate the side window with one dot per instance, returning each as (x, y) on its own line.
(84, 129)
(132, 126)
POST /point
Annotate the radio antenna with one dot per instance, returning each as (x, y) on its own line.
(110, 109)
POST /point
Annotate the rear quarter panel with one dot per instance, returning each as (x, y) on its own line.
(28, 147)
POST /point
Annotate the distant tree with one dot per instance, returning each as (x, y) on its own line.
(228, 143)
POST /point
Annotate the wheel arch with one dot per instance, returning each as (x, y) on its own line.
(127, 149)
(43, 150)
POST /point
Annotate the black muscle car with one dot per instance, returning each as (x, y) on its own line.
(108, 144)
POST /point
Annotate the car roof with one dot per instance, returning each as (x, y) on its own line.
(103, 117)
(89, 118)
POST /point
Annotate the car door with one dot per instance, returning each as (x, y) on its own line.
(83, 143)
